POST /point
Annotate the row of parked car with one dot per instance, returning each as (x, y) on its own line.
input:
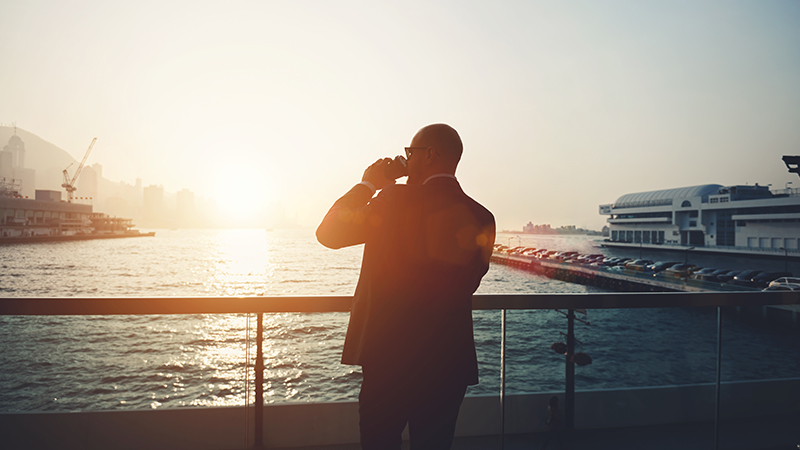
(543, 253)
(749, 278)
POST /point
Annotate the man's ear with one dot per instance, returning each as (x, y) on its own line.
(430, 155)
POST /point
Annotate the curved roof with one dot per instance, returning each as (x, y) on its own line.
(669, 194)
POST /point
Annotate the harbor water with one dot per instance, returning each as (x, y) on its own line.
(60, 363)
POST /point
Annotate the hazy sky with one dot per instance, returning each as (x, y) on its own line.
(562, 106)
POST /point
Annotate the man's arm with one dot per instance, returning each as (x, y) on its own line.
(347, 222)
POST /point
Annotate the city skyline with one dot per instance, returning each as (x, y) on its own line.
(150, 206)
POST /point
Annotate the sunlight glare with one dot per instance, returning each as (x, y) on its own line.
(241, 192)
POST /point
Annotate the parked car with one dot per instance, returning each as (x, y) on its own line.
(621, 262)
(714, 276)
(638, 264)
(763, 279)
(563, 256)
(785, 280)
(727, 276)
(703, 274)
(598, 263)
(745, 278)
(588, 259)
(523, 251)
(594, 261)
(609, 262)
(681, 270)
(660, 266)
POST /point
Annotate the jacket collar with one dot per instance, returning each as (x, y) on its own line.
(444, 176)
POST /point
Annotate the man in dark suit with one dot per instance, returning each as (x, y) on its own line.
(427, 246)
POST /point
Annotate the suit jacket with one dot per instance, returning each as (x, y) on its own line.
(426, 249)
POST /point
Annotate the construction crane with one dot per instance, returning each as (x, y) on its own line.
(69, 185)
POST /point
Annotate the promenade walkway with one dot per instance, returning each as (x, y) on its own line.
(765, 433)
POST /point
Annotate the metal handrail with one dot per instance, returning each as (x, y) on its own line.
(659, 202)
(790, 251)
(90, 306)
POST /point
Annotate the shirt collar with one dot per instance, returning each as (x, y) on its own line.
(439, 175)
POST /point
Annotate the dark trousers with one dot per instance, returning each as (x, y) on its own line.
(389, 400)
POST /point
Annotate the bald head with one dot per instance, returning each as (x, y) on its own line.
(445, 141)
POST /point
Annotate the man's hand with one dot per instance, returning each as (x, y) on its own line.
(375, 174)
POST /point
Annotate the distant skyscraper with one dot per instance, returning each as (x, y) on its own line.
(12, 165)
(98, 168)
(88, 181)
(17, 149)
(153, 206)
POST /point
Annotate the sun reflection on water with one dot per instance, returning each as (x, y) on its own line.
(243, 262)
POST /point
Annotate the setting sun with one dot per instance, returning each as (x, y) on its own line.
(241, 193)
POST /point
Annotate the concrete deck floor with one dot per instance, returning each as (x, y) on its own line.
(766, 433)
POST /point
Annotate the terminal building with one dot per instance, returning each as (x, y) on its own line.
(48, 215)
(727, 219)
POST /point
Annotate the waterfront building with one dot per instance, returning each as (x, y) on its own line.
(729, 219)
(45, 215)
(48, 215)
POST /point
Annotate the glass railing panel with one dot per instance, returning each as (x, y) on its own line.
(632, 348)
(760, 343)
(302, 358)
(531, 366)
(71, 363)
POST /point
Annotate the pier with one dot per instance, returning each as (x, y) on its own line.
(625, 281)
(72, 237)
(636, 281)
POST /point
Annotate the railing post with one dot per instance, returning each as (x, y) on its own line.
(569, 394)
(502, 378)
(719, 377)
(259, 403)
